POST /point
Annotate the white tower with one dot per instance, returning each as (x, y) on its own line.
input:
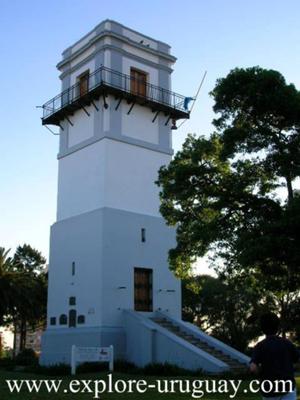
(109, 246)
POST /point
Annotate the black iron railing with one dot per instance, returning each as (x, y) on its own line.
(109, 78)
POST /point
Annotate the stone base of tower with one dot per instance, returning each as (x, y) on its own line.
(57, 343)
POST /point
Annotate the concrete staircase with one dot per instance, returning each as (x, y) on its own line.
(235, 366)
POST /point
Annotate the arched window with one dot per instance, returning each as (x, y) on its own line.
(72, 301)
(81, 319)
(72, 318)
(63, 319)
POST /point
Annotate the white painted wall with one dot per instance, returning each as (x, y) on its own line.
(83, 126)
(129, 177)
(81, 181)
(77, 241)
(138, 124)
(109, 173)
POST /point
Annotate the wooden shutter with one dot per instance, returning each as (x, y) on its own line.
(138, 81)
(84, 84)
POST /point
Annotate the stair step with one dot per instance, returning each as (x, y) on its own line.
(234, 365)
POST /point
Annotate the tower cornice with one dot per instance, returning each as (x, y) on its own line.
(70, 56)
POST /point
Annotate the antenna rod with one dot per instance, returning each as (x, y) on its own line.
(195, 97)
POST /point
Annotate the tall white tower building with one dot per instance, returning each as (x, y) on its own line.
(108, 274)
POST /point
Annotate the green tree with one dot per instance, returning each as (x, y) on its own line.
(23, 290)
(30, 306)
(259, 114)
(221, 193)
(228, 309)
(7, 284)
(192, 185)
(259, 121)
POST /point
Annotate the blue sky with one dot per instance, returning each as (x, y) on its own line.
(212, 35)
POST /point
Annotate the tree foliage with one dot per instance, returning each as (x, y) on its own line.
(259, 111)
(233, 194)
(8, 281)
(228, 309)
(23, 289)
(30, 305)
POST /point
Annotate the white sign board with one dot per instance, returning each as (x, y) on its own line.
(80, 355)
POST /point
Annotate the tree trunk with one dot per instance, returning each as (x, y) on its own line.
(289, 188)
(22, 335)
(284, 316)
(15, 340)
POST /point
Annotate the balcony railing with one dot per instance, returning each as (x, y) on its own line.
(105, 81)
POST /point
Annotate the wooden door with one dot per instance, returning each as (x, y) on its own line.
(138, 81)
(143, 289)
(84, 84)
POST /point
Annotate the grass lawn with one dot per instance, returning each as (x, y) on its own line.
(149, 395)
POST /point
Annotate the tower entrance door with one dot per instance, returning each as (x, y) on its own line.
(143, 289)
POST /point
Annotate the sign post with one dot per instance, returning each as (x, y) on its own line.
(73, 360)
(111, 361)
(80, 355)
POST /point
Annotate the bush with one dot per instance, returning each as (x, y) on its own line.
(167, 369)
(52, 370)
(7, 352)
(127, 367)
(26, 357)
(119, 366)
(91, 367)
(7, 363)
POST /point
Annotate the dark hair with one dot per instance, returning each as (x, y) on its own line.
(269, 323)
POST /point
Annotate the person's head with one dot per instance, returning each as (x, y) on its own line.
(269, 323)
